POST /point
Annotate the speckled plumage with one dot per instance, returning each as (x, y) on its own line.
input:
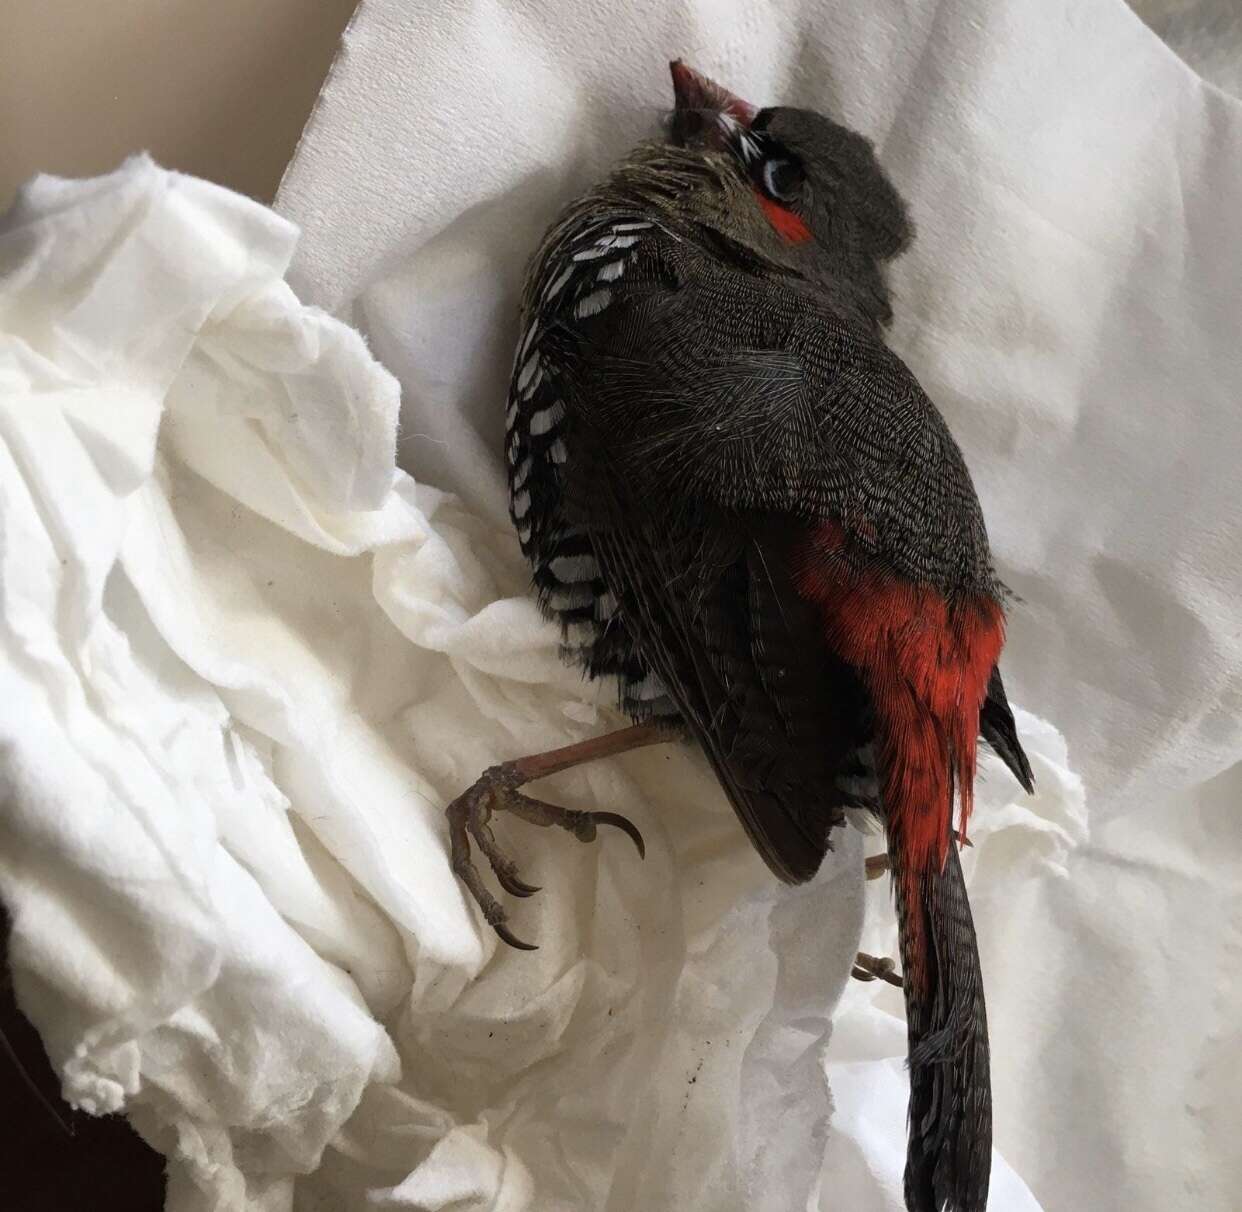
(717, 468)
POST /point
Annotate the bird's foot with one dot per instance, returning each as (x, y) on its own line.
(874, 968)
(470, 816)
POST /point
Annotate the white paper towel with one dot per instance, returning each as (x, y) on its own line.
(1070, 300)
(1206, 34)
(1071, 303)
(245, 662)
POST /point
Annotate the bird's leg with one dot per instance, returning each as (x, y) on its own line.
(878, 865)
(868, 967)
(496, 790)
(872, 968)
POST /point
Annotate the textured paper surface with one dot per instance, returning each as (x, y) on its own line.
(1071, 304)
(246, 662)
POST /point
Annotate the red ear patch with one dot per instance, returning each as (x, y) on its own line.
(788, 226)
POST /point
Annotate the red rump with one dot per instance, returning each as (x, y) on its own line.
(788, 225)
(926, 663)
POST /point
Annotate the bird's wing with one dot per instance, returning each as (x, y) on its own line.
(701, 382)
(997, 727)
(711, 601)
(715, 420)
(684, 465)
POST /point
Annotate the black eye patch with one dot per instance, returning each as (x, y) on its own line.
(773, 168)
(782, 177)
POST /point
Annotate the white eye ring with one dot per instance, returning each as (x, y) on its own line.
(769, 181)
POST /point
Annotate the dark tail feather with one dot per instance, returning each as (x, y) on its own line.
(950, 1130)
(997, 727)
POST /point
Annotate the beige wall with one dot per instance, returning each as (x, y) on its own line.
(219, 88)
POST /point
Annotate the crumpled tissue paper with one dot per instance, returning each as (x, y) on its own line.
(246, 661)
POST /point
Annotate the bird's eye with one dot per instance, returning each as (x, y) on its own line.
(783, 178)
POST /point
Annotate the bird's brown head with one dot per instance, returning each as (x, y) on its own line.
(818, 183)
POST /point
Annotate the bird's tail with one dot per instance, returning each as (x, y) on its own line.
(925, 662)
(950, 1120)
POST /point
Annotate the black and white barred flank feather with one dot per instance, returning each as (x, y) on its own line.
(576, 280)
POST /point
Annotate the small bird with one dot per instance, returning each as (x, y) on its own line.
(739, 503)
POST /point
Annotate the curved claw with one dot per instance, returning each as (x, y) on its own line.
(625, 825)
(512, 939)
(514, 886)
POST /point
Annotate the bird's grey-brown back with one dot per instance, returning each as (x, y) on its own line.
(738, 501)
(679, 206)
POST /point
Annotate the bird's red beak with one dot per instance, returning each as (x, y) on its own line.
(700, 104)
